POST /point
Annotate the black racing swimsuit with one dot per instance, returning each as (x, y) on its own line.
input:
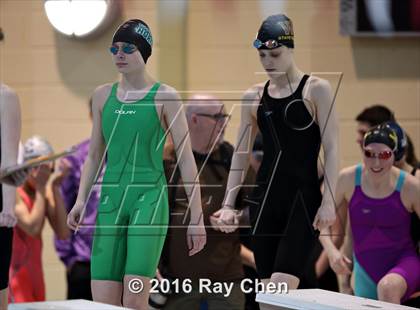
(6, 239)
(287, 195)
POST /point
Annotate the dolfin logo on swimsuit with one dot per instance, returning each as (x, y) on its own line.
(130, 112)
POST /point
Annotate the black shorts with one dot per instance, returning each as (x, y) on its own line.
(6, 240)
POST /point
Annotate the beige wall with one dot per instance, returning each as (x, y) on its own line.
(54, 76)
(374, 70)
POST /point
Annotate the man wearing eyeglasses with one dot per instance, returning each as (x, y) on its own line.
(220, 261)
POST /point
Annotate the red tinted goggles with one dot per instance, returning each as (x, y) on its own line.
(385, 155)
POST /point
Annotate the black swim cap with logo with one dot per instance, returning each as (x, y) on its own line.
(278, 28)
(137, 32)
(383, 134)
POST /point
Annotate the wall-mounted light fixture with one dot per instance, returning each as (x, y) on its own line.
(81, 18)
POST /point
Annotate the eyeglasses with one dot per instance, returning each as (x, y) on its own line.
(126, 48)
(216, 117)
(269, 44)
(385, 155)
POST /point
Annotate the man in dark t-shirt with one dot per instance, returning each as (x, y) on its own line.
(220, 260)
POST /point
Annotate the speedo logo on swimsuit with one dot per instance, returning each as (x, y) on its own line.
(125, 112)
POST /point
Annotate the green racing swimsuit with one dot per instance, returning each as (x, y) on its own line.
(133, 212)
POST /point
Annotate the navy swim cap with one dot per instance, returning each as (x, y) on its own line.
(382, 134)
(135, 31)
(278, 28)
(402, 140)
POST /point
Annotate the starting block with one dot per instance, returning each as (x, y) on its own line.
(74, 304)
(317, 299)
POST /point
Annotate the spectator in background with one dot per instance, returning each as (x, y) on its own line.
(371, 117)
(402, 150)
(75, 251)
(33, 206)
(220, 260)
(410, 154)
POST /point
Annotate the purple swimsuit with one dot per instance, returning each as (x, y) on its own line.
(382, 242)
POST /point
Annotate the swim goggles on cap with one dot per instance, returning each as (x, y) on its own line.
(127, 48)
(269, 43)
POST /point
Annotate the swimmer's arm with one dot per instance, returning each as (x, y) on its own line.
(175, 116)
(31, 222)
(346, 183)
(326, 236)
(418, 174)
(243, 148)
(247, 257)
(337, 236)
(321, 94)
(93, 163)
(412, 190)
(56, 211)
(344, 280)
(10, 134)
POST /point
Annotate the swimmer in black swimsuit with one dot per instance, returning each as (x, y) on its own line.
(296, 116)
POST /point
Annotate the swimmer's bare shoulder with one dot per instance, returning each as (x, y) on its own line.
(100, 96)
(168, 98)
(168, 94)
(251, 98)
(345, 184)
(318, 91)
(169, 104)
(410, 193)
(315, 85)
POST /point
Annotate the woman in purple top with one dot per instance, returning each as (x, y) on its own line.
(75, 252)
(380, 200)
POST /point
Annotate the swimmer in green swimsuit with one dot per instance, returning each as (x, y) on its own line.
(133, 212)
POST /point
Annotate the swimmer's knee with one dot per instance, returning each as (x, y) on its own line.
(391, 288)
(136, 292)
(280, 277)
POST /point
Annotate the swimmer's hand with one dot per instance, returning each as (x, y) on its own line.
(196, 236)
(325, 217)
(346, 289)
(76, 215)
(340, 263)
(226, 219)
